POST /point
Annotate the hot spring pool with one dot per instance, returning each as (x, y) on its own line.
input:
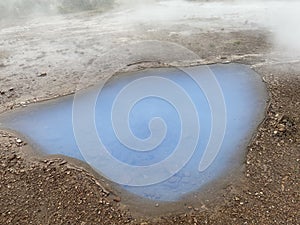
(158, 144)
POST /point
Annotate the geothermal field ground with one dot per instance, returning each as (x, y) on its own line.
(149, 112)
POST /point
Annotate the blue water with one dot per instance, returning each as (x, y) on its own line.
(50, 127)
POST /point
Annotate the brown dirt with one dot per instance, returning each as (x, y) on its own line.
(35, 190)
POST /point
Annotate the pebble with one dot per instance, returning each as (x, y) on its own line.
(117, 199)
(19, 141)
(42, 75)
(62, 163)
(23, 104)
(226, 62)
(12, 157)
(281, 127)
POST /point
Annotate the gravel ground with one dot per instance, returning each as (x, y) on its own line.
(38, 189)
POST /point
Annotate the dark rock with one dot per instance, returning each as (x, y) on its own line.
(42, 75)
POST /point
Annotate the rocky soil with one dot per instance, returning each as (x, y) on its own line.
(56, 190)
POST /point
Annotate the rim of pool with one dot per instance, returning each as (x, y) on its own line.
(58, 126)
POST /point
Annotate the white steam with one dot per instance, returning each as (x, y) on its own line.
(285, 22)
(280, 17)
(25, 8)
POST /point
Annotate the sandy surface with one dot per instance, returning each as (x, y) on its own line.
(43, 58)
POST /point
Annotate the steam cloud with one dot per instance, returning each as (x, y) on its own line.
(281, 17)
(21, 8)
(284, 22)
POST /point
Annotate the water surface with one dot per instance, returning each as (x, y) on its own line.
(49, 126)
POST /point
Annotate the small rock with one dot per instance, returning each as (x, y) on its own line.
(50, 162)
(117, 199)
(19, 141)
(11, 89)
(42, 75)
(203, 207)
(281, 127)
(12, 157)
(62, 163)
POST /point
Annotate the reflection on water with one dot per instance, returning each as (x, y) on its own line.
(49, 126)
